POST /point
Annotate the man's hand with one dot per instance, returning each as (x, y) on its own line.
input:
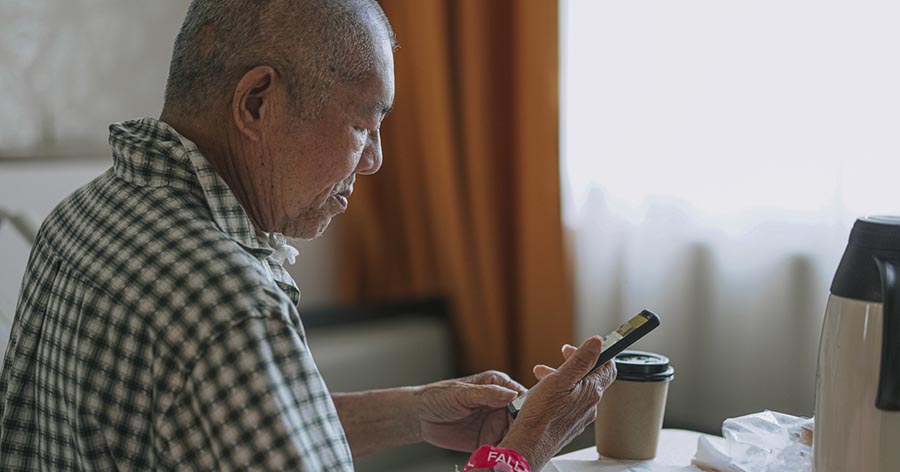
(561, 405)
(466, 413)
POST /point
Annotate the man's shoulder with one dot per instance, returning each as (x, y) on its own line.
(151, 243)
(111, 203)
(157, 253)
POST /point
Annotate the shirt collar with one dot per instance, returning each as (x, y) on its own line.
(148, 152)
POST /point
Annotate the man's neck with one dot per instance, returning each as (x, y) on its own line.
(218, 147)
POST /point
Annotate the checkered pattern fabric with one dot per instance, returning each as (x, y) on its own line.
(154, 331)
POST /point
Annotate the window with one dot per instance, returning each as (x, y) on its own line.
(716, 155)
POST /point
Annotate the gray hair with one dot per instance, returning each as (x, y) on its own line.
(312, 44)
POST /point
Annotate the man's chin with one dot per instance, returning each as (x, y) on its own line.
(309, 230)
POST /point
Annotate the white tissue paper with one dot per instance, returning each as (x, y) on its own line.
(284, 250)
(761, 442)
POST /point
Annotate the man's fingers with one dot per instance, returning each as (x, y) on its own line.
(493, 396)
(496, 377)
(582, 360)
(541, 371)
(568, 350)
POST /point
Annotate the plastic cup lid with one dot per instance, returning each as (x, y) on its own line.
(643, 366)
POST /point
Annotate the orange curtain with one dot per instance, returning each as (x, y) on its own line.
(467, 204)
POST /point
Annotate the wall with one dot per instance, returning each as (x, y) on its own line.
(69, 68)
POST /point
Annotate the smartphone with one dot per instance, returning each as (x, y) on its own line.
(613, 344)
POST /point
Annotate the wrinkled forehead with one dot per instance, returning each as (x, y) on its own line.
(373, 96)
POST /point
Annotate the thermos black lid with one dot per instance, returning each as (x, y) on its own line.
(880, 233)
(640, 366)
(858, 276)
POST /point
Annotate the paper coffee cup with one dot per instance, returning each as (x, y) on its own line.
(630, 414)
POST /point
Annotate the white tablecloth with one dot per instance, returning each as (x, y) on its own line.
(676, 449)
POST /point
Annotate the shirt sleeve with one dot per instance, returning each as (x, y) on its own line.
(256, 401)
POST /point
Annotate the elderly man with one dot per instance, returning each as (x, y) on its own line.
(157, 328)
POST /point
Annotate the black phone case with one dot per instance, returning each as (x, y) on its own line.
(624, 343)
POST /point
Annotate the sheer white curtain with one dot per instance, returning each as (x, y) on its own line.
(715, 157)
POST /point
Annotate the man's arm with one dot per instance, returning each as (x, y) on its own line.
(459, 414)
(379, 419)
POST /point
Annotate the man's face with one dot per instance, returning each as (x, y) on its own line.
(315, 162)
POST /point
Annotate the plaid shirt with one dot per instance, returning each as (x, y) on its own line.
(155, 330)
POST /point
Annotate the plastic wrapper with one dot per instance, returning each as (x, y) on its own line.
(761, 442)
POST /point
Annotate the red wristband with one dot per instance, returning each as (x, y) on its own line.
(498, 459)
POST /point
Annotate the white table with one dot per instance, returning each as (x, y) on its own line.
(676, 448)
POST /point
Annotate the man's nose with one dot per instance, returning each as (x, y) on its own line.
(371, 158)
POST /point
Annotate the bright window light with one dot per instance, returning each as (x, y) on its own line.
(732, 108)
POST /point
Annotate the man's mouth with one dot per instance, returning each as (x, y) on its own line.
(343, 198)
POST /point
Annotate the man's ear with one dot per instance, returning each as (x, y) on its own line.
(255, 101)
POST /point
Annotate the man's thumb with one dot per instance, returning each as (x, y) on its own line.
(493, 396)
(582, 360)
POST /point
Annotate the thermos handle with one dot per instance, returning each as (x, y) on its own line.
(888, 398)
